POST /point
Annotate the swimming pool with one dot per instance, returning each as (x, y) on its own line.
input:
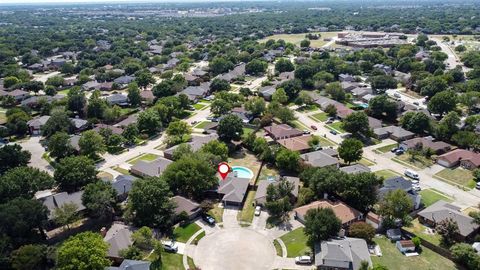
(242, 172)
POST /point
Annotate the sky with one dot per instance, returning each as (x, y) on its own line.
(101, 1)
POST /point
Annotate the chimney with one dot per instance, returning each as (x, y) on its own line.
(124, 189)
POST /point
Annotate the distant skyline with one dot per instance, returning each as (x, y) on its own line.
(110, 1)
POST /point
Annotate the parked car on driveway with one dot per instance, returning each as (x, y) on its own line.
(333, 132)
(303, 260)
(258, 210)
(477, 186)
(170, 246)
(394, 150)
(412, 174)
(399, 152)
(208, 219)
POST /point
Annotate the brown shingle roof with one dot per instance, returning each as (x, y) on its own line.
(282, 131)
(344, 212)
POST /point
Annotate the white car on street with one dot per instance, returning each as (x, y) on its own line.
(303, 260)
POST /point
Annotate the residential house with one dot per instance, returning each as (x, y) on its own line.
(35, 125)
(17, 94)
(401, 77)
(58, 200)
(79, 124)
(465, 158)
(195, 144)
(150, 168)
(74, 143)
(114, 129)
(441, 210)
(57, 63)
(386, 69)
(192, 80)
(131, 265)
(398, 182)
(243, 114)
(348, 86)
(171, 64)
(321, 158)
(374, 123)
(394, 132)
(405, 246)
(233, 189)
(374, 220)
(438, 147)
(267, 92)
(346, 78)
(182, 204)
(283, 131)
(355, 168)
(117, 99)
(147, 96)
(261, 194)
(341, 254)
(131, 119)
(360, 92)
(299, 143)
(124, 80)
(344, 212)
(195, 93)
(34, 101)
(234, 74)
(366, 98)
(119, 237)
(122, 185)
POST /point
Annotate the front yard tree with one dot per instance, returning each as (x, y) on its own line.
(91, 144)
(466, 255)
(220, 107)
(134, 95)
(66, 214)
(350, 150)
(396, 205)
(143, 238)
(149, 121)
(230, 128)
(357, 124)
(354, 188)
(58, 122)
(284, 65)
(72, 173)
(29, 257)
(382, 82)
(218, 85)
(23, 182)
(278, 202)
(76, 99)
(280, 96)
(219, 65)
(443, 102)
(59, 145)
(448, 230)
(85, 250)
(321, 224)
(448, 126)
(99, 199)
(287, 160)
(12, 156)
(305, 43)
(416, 122)
(190, 176)
(130, 133)
(256, 106)
(362, 230)
(303, 99)
(292, 87)
(149, 203)
(256, 67)
(178, 132)
(336, 91)
(382, 107)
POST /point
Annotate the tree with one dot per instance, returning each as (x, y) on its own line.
(432, 85)
(66, 214)
(149, 203)
(29, 257)
(362, 230)
(56, 81)
(216, 148)
(442, 102)
(72, 173)
(285, 114)
(382, 107)
(350, 150)
(99, 198)
(144, 78)
(256, 67)
(131, 253)
(466, 255)
(85, 250)
(382, 82)
(190, 176)
(304, 99)
(134, 95)
(331, 110)
(157, 262)
(291, 88)
(91, 144)
(219, 65)
(165, 88)
(11, 156)
(23, 182)
(447, 126)
(149, 121)
(220, 106)
(284, 65)
(336, 91)
(219, 85)
(76, 99)
(178, 132)
(321, 224)
(256, 106)
(278, 202)
(10, 81)
(230, 128)
(305, 43)
(59, 145)
(130, 133)
(352, 189)
(143, 238)
(280, 96)
(396, 205)
(448, 230)
(58, 122)
(287, 159)
(416, 122)
(357, 124)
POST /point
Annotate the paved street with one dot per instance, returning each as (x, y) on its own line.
(36, 149)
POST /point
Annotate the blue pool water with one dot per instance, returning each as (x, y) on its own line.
(242, 172)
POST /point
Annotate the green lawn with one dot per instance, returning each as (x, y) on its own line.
(296, 243)
(309, 108)
(216, 213)
(172, 261)
(386, 174)
(267, 171)
(144, 157)
(337, 126)
(320, 117)
(190, 262)
(431, 196)
(198, 237)
(326, 142)
(457, 176)
(121, 170)
(248, 210)
(202, 124)
(299, 125)
(394, 260)
(199, 106)
(386, 148)
(183, 233)
(278, 248)
(366, 162)
(247, 131)
(420, 162)
(421, 231)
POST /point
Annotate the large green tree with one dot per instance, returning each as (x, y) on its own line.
(72, 173)
(99, 199)
(230, 128)
(91, 144)
(23, 182)
(287, 160)
(396, 205)
(357, 124)
(442, 102)
(83, 251)
(321, 224)
(12, 156)
(58, 122)
(350, 150)
(59, 145)
(29, 257)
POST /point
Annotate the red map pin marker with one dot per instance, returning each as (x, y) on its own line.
(223, 170)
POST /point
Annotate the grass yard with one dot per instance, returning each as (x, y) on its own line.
(386, 148)
(121, 170)
(394, 260)
(246, 159)
(216, 213)
(420, 162)
(198, 237)
(247, 131)
(199, 106)
(144, 157)
(267, 171)
(191, 264)
(421, 231)
(386, 174)
(326, 142)
(183, 233)
(320, 117)
(337, 126)
(299, 125)
(457, 176)
(431, 196)
(309, 108)
(296, 243)
(366, 162)
(278, 248)
(202, 124)
(105, 175)
(297, 38)
(248, 210)
(172, 261)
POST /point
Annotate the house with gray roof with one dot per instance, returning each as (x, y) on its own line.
(399, 182)
(131, 119)
(355, 168)
(17, 94)
(267, 92)
(182, 204)
(150, 168)
(195, 144)
(79, 124)
(261, 194)
(124, 80)
(233, 189)
(131, 265)
(442, 210)
(118, 99)
(58, 200)
(234, 74)
(346, 78)
(393, 132)
(341, 254)
(35, 125)
(321, 158)
(122, 185)
(195, 93)
(34, 100)
(119, 237)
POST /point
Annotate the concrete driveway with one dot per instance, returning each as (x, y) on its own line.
(36, 149)
(235, 249)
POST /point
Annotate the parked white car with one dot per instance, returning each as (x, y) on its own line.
(303, 260)
(170, 246)
(258, 210)
(412, 174)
